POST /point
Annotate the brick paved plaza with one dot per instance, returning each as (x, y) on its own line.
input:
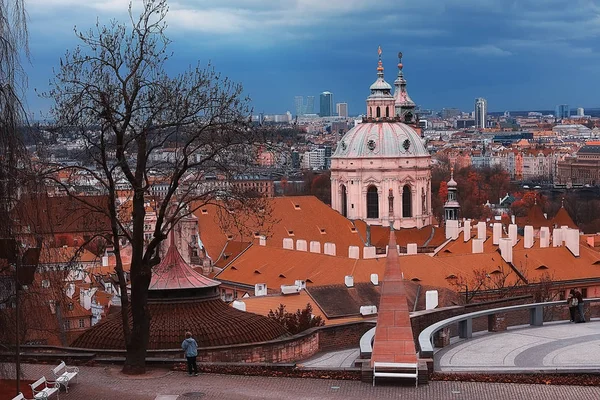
(106, 383)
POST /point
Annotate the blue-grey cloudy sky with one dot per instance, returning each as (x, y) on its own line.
(519, 54)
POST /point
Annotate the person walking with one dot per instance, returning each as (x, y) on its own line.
(579, 298)
(572, 302)
(190, 347)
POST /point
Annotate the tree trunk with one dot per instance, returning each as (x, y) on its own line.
(135, 361)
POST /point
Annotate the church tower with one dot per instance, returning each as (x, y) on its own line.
(452, 207)
(404, 106)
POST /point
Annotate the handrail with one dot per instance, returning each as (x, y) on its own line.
(466, 321)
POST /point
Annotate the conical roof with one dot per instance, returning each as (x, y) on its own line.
(562, 218)
(174, 273)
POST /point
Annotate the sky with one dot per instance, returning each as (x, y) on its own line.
(518, 54)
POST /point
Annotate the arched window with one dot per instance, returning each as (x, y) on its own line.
(406, 202)
(378, 112)
(370, 111)
(372, 202)
(344, 201)
(387, 112)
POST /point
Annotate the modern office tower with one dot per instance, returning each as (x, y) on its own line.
(326, 106)
(580, 112)
(480, 112)
(342, 109)
(310, 105)
(299, 105)
(563, 111)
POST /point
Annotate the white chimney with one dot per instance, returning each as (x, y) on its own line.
(512, 219)
(375, 279)
(260, 289)
(506, 249)
(288, 243)
(544, 237)
(70, 290)
(512, 233)
(353, 252)
(431, 299)
(557, 237)
(105, 261)
(262, 240)
(315, 247)
(300, 283)
(528, 237)
(301, 245)
(467, 230)
(411, 248)
(572, 241)
(481, 228)
(330, 249)
(452, 228)
(239, 305)
(369, 252)
(477, 245)
(289, 289)
(368, 310)
(349, 280)
(497, 233)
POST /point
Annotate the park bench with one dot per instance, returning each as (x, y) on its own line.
(19, 397)
(396, 370)
(64, 374)
(49, 388)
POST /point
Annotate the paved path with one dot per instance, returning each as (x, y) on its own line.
(106, 383)
(334, 359)
(560, 346)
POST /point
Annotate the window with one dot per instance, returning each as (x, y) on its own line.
(584, 292)
(378, 112)
(82, 323)
(67, 325)
(372, 202)
(344, 201)
(406, 202)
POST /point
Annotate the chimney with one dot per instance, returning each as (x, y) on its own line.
(477, 245)
(349, 281)
(300, 283)
(353, 252)
(301, 245)
(105, 261)
(506, 249)
(315, 247)
(590, 241)
(289, 289)
(431, 299)
(481, 230)
(512, 219)
(411, 248)
(329, 249)
(239, 305)
(528, 236)
(497, 233)
(375, 279)
(262, 241)
(572, 241)
(452, 228)
(512, 233)
(544, 237)
(467, 230)
(369, 252)
(368, 310)
(288, 243)
(260, 289)
(557, 237)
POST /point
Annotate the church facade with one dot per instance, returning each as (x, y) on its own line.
(381, 170)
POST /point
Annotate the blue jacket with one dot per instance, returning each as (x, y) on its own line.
(190, 347)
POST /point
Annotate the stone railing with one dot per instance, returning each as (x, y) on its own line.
(465, 321)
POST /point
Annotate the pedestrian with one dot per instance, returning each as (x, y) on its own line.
(572, 302)
(579, 298)
(190, 347)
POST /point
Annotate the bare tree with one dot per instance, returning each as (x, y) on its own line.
(142, 127)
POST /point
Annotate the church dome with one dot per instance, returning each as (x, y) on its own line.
(381, 139)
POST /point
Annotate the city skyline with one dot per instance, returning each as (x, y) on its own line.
(504, 50)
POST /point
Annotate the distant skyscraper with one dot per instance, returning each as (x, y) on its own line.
(299, 105)
(342, 109)
(580, 112)
(480, 112)
(563, 111)
(310, 105)
(326, 106)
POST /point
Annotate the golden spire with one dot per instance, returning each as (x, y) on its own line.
(379, 64)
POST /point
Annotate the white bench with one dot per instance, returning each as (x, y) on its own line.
(48, 390)
(396, 370)
(65, 374)
(19, 397)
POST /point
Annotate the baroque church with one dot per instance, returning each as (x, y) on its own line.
(381, 170)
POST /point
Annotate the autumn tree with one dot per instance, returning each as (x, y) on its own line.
(296, 322)
(141, 125)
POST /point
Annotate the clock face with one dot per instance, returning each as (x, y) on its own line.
(371, 144)
(406, 144)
